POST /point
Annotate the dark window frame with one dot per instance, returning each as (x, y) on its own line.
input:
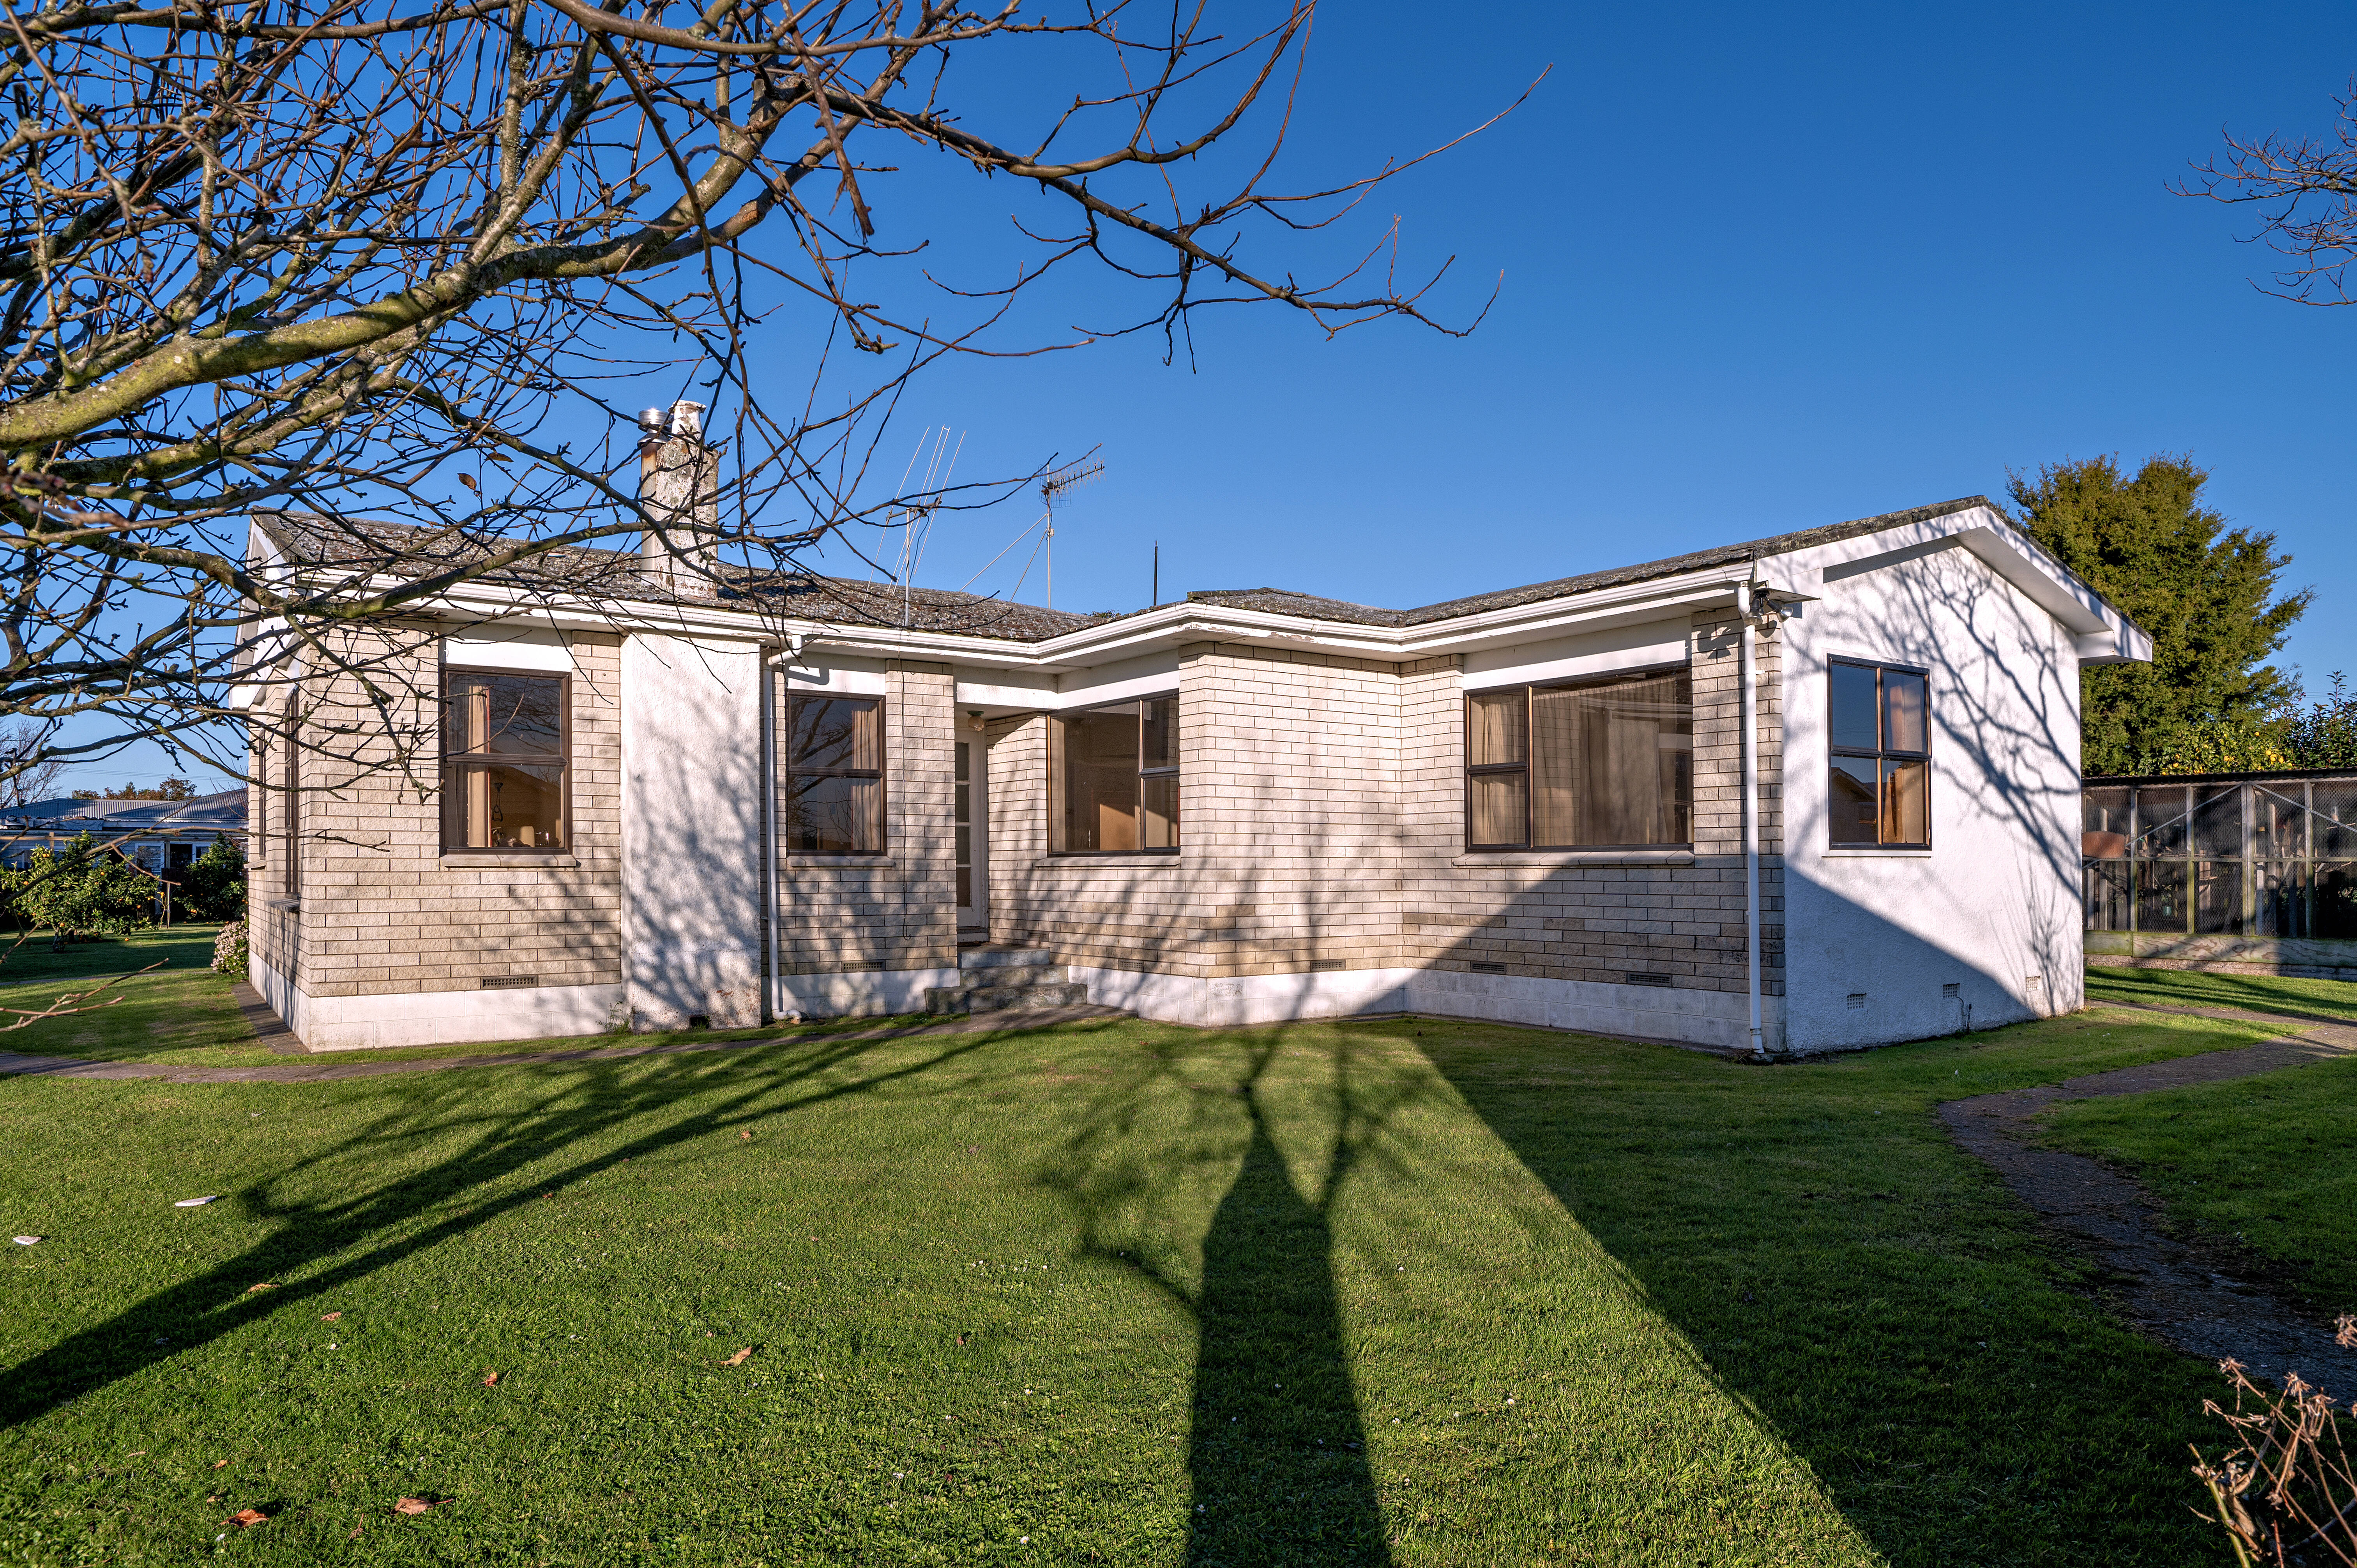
(562, 761)
(1881, 752)
(787, 772)
(1490, 769)
(1058, 805)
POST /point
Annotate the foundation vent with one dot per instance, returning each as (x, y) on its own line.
(509, 981)
(1953, 989)
(1636, 977)
(1858, 998)
(1489, 969)
(1325, 965)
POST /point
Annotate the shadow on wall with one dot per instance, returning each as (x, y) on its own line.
(1277, 1448)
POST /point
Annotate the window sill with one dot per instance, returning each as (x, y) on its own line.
(862, 862)
(282, 906)
(1574, 857)
(1113, 859)
(1874, 853)
(486, 861)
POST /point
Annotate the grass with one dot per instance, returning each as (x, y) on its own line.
(2265, 1160)
(182, 1014)
(2331, 999)
(1396, 1292)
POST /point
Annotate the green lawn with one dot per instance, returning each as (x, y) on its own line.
(182, 1014)
(2267, 1161)
(1398, 1292)
(2331, 999)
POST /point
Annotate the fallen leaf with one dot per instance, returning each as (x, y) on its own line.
(355, 1534)
(196, 1202)
(28, 1240)
(329, 1316)
(747, 1136)
(263, 1285)
(218, 1463)
(738, 1358)
(246, 1519)
(490, 1380)
(961, 1339)
(136, 1453)
(413, 1506)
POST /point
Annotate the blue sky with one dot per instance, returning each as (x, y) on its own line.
(1762, 269)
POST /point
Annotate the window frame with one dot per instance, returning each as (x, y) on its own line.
(563, 761)
(1469, 772)
(1878, 754)
(786, 772)
(1058, 831)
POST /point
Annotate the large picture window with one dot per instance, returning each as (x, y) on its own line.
(1879, 718)
(505, 740)
(1116, 771)
(1584, 765)
(831, 777)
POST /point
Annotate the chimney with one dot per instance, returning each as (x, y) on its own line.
(679, 485)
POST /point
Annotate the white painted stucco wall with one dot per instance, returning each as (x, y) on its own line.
(692, 784)
(1993, 908)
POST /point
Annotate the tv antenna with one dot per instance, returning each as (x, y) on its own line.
(1054, 484)
(916, 518)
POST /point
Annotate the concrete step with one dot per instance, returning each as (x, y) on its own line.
(997, 956)
(1011, 974)
(1004, 998)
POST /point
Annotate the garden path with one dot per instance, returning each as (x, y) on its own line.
(2192, 1294)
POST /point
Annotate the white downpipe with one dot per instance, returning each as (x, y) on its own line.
(1743, 610)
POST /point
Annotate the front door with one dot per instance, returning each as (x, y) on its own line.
(973, 831)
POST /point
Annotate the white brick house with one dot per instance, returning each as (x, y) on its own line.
(633, 806)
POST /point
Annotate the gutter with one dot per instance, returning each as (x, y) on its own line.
(1745, 610)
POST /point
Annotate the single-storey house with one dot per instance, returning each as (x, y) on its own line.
(165, 836)
(1800, 793)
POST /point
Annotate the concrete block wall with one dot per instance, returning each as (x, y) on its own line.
(383, 911)
(1287, 776)
(847, 915)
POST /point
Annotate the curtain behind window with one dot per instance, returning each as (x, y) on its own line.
(1611, 765)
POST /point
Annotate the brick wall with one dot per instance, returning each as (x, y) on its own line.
(381, 911)
(839, 915)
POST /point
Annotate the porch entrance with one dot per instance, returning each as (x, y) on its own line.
(972, 810)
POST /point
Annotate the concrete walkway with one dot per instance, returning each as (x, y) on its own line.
(342, 1065)
(2187, 1292)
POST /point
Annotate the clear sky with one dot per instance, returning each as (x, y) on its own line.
(1763, 269)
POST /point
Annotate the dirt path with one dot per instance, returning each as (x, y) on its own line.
(315, 1071)
(2183, 1294)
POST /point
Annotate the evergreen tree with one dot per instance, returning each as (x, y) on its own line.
(2206, 592)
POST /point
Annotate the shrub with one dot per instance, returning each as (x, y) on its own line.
(83, 890)
(213, 886)
(2286, 1491)
(229, 950)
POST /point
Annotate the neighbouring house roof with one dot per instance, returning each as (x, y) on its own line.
(416, 553)
(222, 813)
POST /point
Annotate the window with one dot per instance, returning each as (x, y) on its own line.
(1587, 764)
(1880, 722)
(505, 742)
(1116, 771)
(831, 778)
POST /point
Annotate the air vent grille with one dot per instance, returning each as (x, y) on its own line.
(1953, 988)
(1639, 978)
(1858, 998)
(1489, 969)
(1326, 965)
(508, 981)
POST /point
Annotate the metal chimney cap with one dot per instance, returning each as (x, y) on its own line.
(654, 421)
(686, 418)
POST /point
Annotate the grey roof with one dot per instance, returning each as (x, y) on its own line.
(1285, 601)
(221, 812)
(414, 553)
(418, 553)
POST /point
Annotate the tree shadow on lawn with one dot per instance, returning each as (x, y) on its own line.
(359, 1233)
(1277, 1448)
(1874, 1295)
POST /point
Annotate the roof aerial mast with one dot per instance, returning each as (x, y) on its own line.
(1054, 484)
